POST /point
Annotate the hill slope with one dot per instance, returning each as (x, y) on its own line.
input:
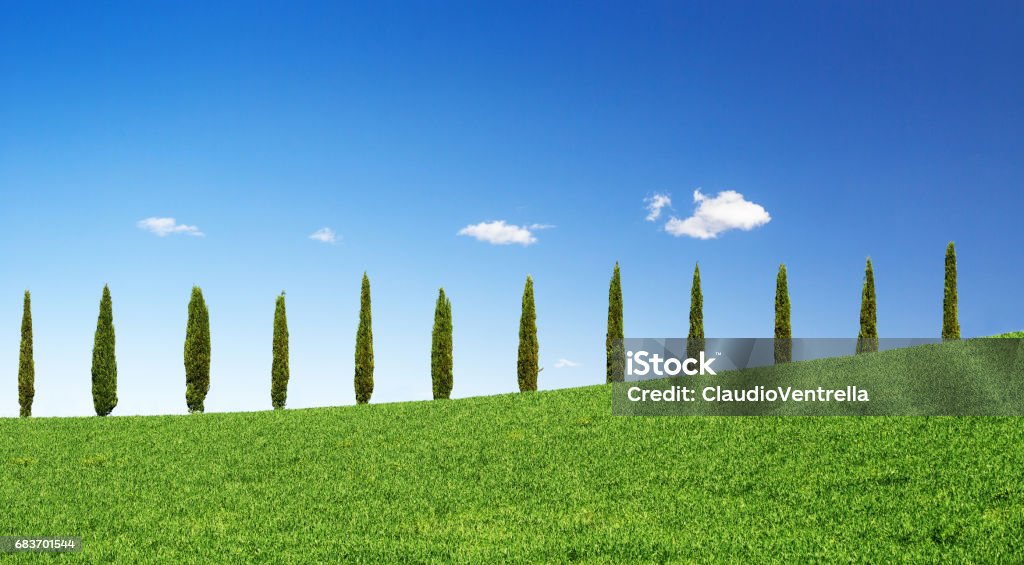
(547, 476)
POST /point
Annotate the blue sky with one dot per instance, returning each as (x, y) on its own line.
(859, 128)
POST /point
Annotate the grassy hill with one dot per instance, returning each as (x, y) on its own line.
(547, 476)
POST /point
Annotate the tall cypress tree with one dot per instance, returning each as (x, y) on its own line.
(527, 365)
(695, 339)
(441, 371)
(104, 360)
(279, 372)
(867, 338)
(364, 346)
(26, 363)
(950, 316)
(783, 330)
(197, 352)
(614, 356)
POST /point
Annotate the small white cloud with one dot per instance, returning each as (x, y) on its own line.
(562, 363)
(540, 226)
(655, 204)
(325, 235)
(726, 211)
(166, 226)
(500, 233)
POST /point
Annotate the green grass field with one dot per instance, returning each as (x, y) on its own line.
(543, 477)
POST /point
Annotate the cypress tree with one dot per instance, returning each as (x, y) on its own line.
(104, 360)
(529, 348)
(197, 352)
(614, 367)
(26, 363)
(364, 346)
(950, 317)
(441, 348)
(867, 338)
(279, 365)
(783, 330)
(695, 339)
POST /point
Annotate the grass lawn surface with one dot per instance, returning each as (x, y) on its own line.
(539, 477)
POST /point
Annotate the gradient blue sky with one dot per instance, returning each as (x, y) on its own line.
(863, 128)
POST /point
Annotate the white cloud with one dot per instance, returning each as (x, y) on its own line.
(325, 235)
(166, 226)
(562, 363)
(500, 233)
(540, 226)
(726, 211)
(655, 204)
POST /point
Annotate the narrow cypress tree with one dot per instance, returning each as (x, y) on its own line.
(104, 360)
(364, 346)
(197, 352)
(950, 317)
(26, 363)
(529, 348)
(279, 365)
(783, 330)
(614, 367)
(695, 339)
(867, 338)
(441, 348)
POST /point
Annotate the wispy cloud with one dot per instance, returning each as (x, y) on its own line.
(655, 204)
(728, 210)
(325, 235)
(562, 363)
(500, 233)
(167, 226)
